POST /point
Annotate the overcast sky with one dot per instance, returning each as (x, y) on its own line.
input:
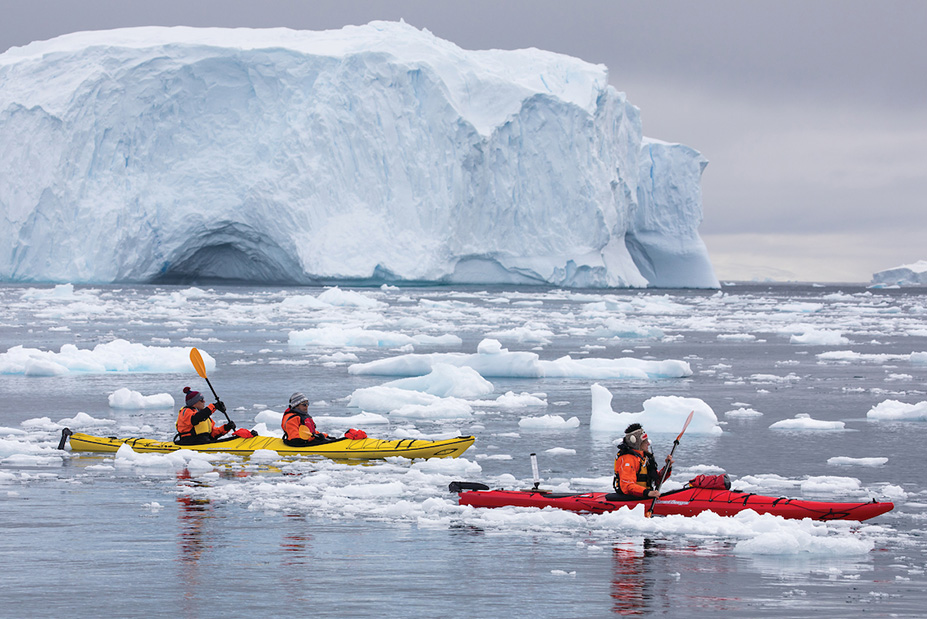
(812, 113)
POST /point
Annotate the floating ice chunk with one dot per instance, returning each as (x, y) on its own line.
(264, 456)
(791, 540)
(848, 461)
(115, 356)
(79, 421)
(23, 452)
(527, 334)
(819, 337)
(491, 360)
(560, 451)
(446, 380)
(830, 485)
(803, 421)
(440, 408)
(893, 410)
(332, 335)
(624, 328)
(510, 400)
(548, 422)
(125, 398)
(743, 413)
(390, 399)
(271, 418)
(348, 298)
(351, 421)
(660, 414)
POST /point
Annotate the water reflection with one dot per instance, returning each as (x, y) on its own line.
(194, 515)
(632, 584)
(296, 546)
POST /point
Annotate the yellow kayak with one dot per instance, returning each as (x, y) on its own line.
(339, 449)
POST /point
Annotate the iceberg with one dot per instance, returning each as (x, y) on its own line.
(905, 275)
(370, 154)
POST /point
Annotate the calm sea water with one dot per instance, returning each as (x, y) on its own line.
(85, 536)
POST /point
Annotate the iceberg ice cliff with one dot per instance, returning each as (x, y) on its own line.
(902, 276)
(368, 154)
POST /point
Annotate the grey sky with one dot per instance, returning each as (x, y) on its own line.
(813, 114)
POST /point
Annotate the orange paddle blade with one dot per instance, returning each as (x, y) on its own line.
(197, 359)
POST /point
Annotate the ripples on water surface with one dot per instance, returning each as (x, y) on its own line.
(89, 535)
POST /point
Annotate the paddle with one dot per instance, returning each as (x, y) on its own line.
(666, 468)
(197, 360)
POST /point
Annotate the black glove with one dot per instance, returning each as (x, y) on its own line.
(230, 426)
(220, 405)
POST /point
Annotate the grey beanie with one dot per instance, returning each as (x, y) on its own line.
(297, 398)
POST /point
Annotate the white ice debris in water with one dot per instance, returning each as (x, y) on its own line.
(573, 193)
(848, 461)
(491, 360)
(128, 399)
(115, 356)
(446, 380)
(893, 410)
(548, 422)
(743, 413)
(803, 421)
(819, 337)
(660, 414)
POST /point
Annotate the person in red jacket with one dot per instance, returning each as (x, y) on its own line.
(636, 473)
(194, 423)
(298, 427)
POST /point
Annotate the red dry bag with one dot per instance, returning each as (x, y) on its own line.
(711, 482)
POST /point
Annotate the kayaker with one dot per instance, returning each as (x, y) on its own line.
(298, 427)
(636, 473)
(194, 423)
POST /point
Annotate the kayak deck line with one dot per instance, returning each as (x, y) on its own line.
(337, 449)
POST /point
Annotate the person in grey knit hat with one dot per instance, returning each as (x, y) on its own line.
(298, 426)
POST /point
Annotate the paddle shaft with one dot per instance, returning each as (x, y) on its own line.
(667, 467)
(197, 360)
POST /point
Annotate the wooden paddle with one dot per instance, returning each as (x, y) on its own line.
(197, 360)
(666, 468)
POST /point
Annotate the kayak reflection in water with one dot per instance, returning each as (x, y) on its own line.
(298, 427)
(633, 580)
(194, 423)
(636, 474)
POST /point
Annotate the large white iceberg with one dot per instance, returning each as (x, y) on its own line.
(905, 275)
(367, 154)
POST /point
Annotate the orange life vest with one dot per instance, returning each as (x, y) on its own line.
(296, 425)
(190, 433)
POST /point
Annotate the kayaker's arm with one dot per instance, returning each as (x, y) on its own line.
(202, 415)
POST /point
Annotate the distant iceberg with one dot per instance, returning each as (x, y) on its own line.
(905, 275)
(371, 154)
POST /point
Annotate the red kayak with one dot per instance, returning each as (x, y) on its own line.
(687, 501)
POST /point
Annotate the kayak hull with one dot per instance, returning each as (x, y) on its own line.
(341, 449)
(684, 502)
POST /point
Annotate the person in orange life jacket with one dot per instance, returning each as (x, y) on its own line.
(636, 473)
(194, 425)
(298, 427)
